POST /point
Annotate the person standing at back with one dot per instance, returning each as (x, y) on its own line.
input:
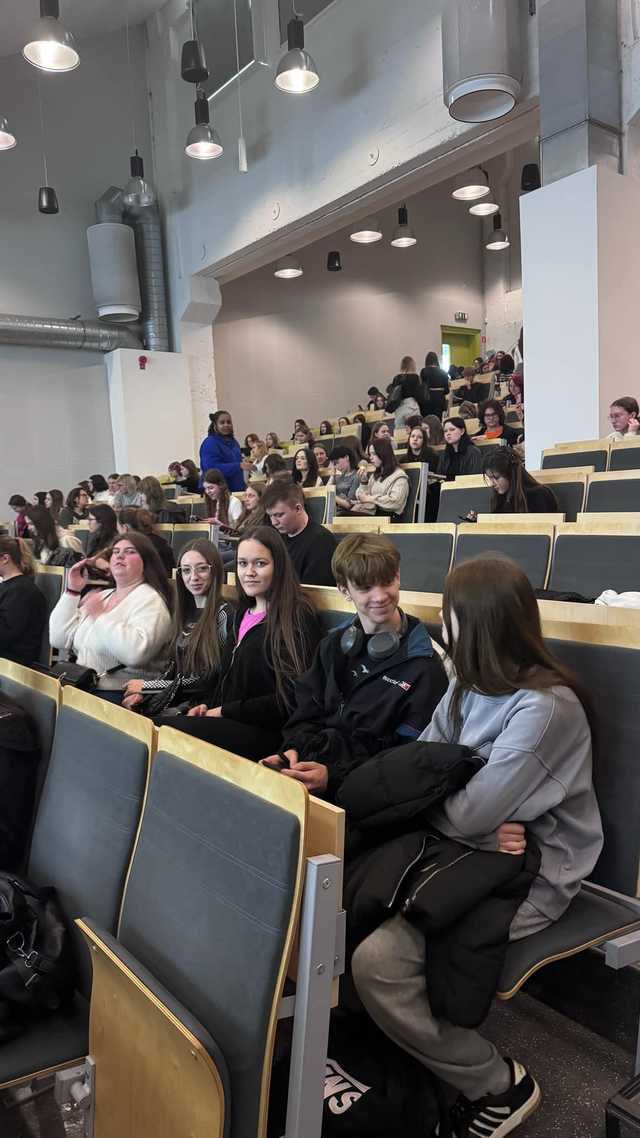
(221, 451)
(310, 545)
(435, 385)
(405, 396)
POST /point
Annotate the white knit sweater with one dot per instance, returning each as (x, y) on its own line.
(134, 633)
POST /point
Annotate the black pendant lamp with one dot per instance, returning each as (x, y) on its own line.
(193, 65)
(334, 263)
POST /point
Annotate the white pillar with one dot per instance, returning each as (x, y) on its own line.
(196, 337)
(580, 255)
(150, 410)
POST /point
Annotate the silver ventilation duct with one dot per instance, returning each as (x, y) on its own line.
(109, 205)
(147, 228)
(46, 332)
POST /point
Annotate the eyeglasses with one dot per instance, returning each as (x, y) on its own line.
(194, 571)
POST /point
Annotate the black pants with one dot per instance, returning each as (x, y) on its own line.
(243, 739)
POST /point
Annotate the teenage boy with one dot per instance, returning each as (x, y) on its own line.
(310, 546)
(375, 680)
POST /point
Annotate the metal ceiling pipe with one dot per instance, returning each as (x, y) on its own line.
(148, 233)
(48, 332)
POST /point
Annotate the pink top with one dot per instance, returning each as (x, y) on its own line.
(249, 621)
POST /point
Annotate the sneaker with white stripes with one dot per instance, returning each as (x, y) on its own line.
(496, 1115)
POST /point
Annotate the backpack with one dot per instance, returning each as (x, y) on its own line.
(36, 960)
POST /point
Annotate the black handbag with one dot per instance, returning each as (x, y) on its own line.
(36, 958)
(71, 675)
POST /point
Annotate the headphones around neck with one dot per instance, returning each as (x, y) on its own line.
(379, 646)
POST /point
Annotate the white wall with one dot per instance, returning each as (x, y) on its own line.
(150, 410)
(311, 347)
(44, 267)
(377, 113)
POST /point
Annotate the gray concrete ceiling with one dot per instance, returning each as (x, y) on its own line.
(84, 18)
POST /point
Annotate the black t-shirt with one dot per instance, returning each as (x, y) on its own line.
(311, 551)
(23, 615)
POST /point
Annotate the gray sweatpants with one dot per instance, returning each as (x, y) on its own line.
(388, 970)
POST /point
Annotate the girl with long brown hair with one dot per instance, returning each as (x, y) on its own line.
(387, 489)
(222, 508)
(23, 609)
(517, 707)
(275, 633)
(201, 623)
(515, 491)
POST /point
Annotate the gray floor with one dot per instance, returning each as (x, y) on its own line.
(577, 1070)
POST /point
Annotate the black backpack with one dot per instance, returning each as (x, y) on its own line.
(36, 958)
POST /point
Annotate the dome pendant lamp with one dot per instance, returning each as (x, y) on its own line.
(51, 47)
(7, 137)
(499, 238)
(297, 73)
(137, 191)
(403, 236)
(288, 268)
(367, 233)
(334, 262)
(203, 141)
(471, 186)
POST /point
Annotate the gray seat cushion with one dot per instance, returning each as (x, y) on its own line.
(615, 496)
(590, 919)
(180, 539)
(43, 712)
(530, 551)
(591, 563)
(570, 498)
(408, 514)
(595, 458)
(316, 508)
(51, 586)
(87, 821)
(425, 557)
(207, 908)
(56, 1039)
(626, 458)
(455, 504)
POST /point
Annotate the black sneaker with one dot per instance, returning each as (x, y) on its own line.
(496, 1115)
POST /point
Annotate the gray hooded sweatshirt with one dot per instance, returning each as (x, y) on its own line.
(537, 750)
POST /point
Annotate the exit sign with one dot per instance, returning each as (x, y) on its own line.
(461, 317)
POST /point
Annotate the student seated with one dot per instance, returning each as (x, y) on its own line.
(254, 514)
(418, 449)
(321, 453)
(460, 455)
(163, 510)
(99, 489)
(344, 476)
(201, 623)
(305, 469)
(387, 489)
(514, 489)
(309, 545)
(52, 544)
(274, 464)
(222, 509)
(492, 424)
(23, 608)
(375, 681)
(380, 431)
(75, 509)
(127, 626)
(625, 418)
(272, 441)
(273, 638)
(516, 706)
(103, 528)
(325, 428)
(126, 493)
(132, 520)
(189, 478)
(19, 504)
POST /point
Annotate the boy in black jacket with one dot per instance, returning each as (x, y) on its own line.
(375, 681)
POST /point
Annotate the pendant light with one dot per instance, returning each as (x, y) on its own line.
(334, 262)
(485, 207)
(499, 238)
(403, 236)
(137, 191)
(530, 178)
(203, 141)
(471, 186)
(50, 46)
(297, 73)
(47, 197)
(193, 65)
(243, 166)
(7, 137)
(288, 268)
(367, 233)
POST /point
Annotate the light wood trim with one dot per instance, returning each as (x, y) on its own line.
(581, 444)
(563, 474)
(369, 524)
(136, 726)
(52, 570)
(186, 499)
(615, 527)
(164, 527)
(37, 681)
(191, 527)
(316, 491)
(598, 523)
(614, 476)
(466, 482)
(153, 1077)
(289, 795)
(625, 444)
(425, 527)
(472, 425)
(524, 520)
(538, 528)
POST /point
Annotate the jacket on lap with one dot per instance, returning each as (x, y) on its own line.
(391, 700)
(462, 899)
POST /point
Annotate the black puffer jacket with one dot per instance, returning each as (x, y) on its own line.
(462, 899)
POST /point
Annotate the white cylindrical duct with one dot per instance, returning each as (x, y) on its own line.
(114, 271)
(481, 62)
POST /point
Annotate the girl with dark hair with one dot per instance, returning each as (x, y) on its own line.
(418, 449)
(275, 633)
(514, 489)
(305, 468)
(127, 627)
(52, 544)
(201, 623)
(222, 508)
(460, 455)
(272, 441)
(174, 470)
(387, 489)
(75, 507)
(515, 398)
(365, 430)
(507, 365)
(138, 520)
(520, 710)
(40, 498)
(433, 426)
(492, 424)
(99, 489)
(189, 480)
(23, 608)
(54, 502)
(19, 504)
(221, 451)
(103, 528)
(325, 428)
(274, 464)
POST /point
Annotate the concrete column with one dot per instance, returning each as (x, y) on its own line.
(580, 252)
(150, 410)
(196, 337)
(580, 86)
